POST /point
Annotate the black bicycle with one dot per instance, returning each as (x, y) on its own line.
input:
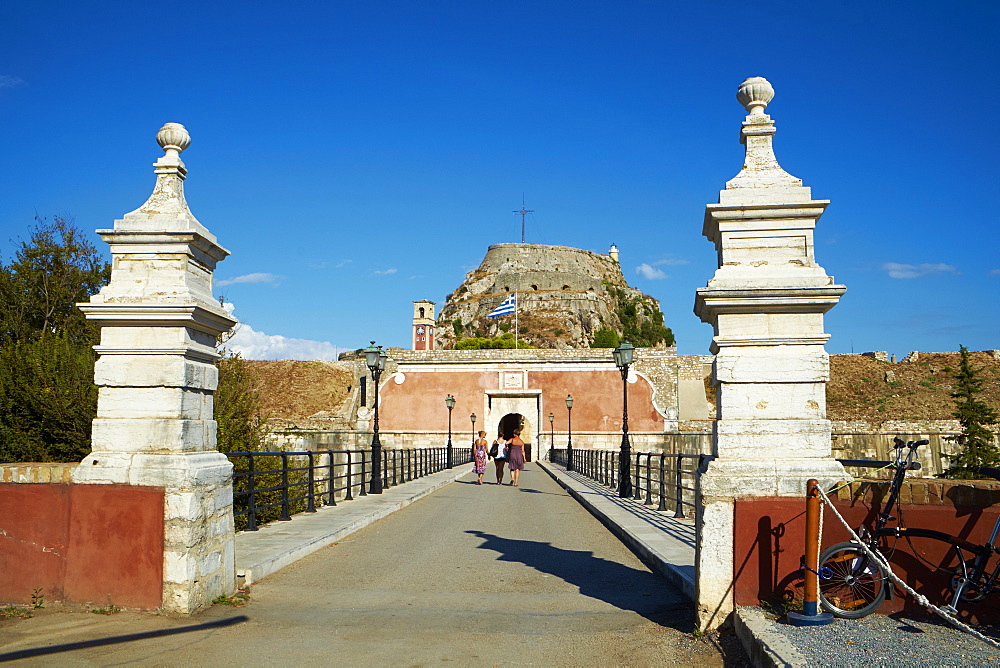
(852, 584)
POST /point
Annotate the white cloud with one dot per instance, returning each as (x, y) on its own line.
(259, 277)
(994, 272)
(343, 263)
(386, 272)
(7, 81)
(254, 345)
(670, 261)
(897, 270)
(650, 272)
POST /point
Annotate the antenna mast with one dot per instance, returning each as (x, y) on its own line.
(523, 213)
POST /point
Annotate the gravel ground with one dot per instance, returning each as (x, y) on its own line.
(896, 640)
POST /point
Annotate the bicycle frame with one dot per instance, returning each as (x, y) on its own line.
(975, 575)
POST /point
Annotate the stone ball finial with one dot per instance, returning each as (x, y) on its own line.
(754, 94)
(173, 136)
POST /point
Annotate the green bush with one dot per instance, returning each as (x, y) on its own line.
(605, 338)
(483, 343)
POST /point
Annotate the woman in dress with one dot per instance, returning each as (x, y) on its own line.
(501, 457)
(515, 457)
(479, 456)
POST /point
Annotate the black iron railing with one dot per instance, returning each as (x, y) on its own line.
(269, 486)
(668, 480)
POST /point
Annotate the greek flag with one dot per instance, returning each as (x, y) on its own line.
(506, 307)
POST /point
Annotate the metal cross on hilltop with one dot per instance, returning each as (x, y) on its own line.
(523, 213)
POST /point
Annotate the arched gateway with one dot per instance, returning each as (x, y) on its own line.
(511, 421)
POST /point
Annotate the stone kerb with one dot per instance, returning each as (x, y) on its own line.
(156, 376)
(27, 473)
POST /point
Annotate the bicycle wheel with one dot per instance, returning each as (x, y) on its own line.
(851, 585)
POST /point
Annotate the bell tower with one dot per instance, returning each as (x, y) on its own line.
(423, 325)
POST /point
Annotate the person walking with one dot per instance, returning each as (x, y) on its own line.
(515, 457)
(479, 455)
(498, 451)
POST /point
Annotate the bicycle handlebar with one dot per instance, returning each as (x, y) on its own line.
(900, 443)
(912, 466)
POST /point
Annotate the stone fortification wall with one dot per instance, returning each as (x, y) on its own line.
(564, 295)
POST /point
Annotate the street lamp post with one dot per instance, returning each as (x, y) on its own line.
(569, 432)
(450, 403)
(375, 361)
(552, 432)
(473, 418)
(623, 355)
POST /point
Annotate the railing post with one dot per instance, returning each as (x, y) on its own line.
(349, 495)
(332, 484)
(285, 515)
(649, 480)
(251, 496)
(363, 491)
(637, 493)
(679, 486)
(663, 499)
(311, 503)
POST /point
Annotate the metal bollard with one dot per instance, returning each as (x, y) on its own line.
(810, 615)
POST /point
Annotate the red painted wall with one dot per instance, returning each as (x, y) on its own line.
(418, 403)
(597, 399)
(82, 543)
(770, 543)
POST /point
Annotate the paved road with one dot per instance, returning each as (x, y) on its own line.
(471, 575)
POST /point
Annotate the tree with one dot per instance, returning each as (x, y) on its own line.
(52, 271)
(48, 399)
(976, 440)
(242, 426)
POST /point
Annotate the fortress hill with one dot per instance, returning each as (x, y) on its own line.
(564, 297)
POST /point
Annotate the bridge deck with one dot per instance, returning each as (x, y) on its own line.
(477, 575)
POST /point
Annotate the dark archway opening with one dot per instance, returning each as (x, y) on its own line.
(510, 422)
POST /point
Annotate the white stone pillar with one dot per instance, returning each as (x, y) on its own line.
(766, 303)
(156, 373)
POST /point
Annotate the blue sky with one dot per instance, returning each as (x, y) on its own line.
(357, 156)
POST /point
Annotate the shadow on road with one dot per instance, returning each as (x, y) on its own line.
(622, 586)
(112, 640)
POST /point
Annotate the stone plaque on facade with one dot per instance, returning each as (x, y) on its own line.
(513, 380)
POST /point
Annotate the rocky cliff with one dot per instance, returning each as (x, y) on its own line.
(565, 296)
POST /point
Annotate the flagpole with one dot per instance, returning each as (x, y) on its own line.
(515, 319)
